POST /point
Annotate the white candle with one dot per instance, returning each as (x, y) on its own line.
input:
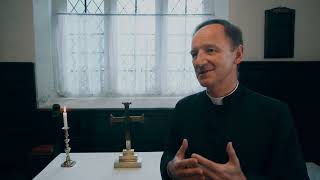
(65, 118)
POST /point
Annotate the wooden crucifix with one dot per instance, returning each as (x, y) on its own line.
(128, 159)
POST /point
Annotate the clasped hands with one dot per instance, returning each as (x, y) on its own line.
(198, 167)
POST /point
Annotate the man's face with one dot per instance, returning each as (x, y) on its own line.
(214, 59)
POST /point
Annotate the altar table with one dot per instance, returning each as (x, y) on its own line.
(99, 166)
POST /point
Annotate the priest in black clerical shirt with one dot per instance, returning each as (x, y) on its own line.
(228, 131)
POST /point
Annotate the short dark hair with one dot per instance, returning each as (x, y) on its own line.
(232, 31)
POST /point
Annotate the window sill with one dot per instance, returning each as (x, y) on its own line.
(112, 102)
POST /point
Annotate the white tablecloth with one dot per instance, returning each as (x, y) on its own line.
(313, 171)
(99, 166)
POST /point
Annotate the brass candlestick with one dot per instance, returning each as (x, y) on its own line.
(68, 162)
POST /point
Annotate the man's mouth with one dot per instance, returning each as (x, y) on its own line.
(204, 71)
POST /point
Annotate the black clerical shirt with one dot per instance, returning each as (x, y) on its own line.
(260, 128)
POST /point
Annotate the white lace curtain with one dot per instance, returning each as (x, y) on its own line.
(128, 52)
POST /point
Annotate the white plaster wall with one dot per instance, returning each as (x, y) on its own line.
(16, 31)
(249, 15)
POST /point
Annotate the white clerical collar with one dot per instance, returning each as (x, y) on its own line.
(219, 100)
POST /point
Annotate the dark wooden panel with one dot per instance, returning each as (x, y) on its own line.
(296, 83)
(17, 86)
(18, 102)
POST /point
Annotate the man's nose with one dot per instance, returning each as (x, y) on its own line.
(201, 59)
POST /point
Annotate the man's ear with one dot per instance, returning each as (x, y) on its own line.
(239, 54)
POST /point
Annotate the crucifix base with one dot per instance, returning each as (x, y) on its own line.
(128, 160)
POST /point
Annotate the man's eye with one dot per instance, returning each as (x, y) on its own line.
(193, 54)
(210, 50)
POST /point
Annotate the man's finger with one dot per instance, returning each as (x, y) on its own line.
(206, 162)
(186, 163)
(210, 174)
(189, 172)
(181, 152)
(232, 154)
(196, 177)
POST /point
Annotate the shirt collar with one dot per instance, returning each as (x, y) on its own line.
(219, 100)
